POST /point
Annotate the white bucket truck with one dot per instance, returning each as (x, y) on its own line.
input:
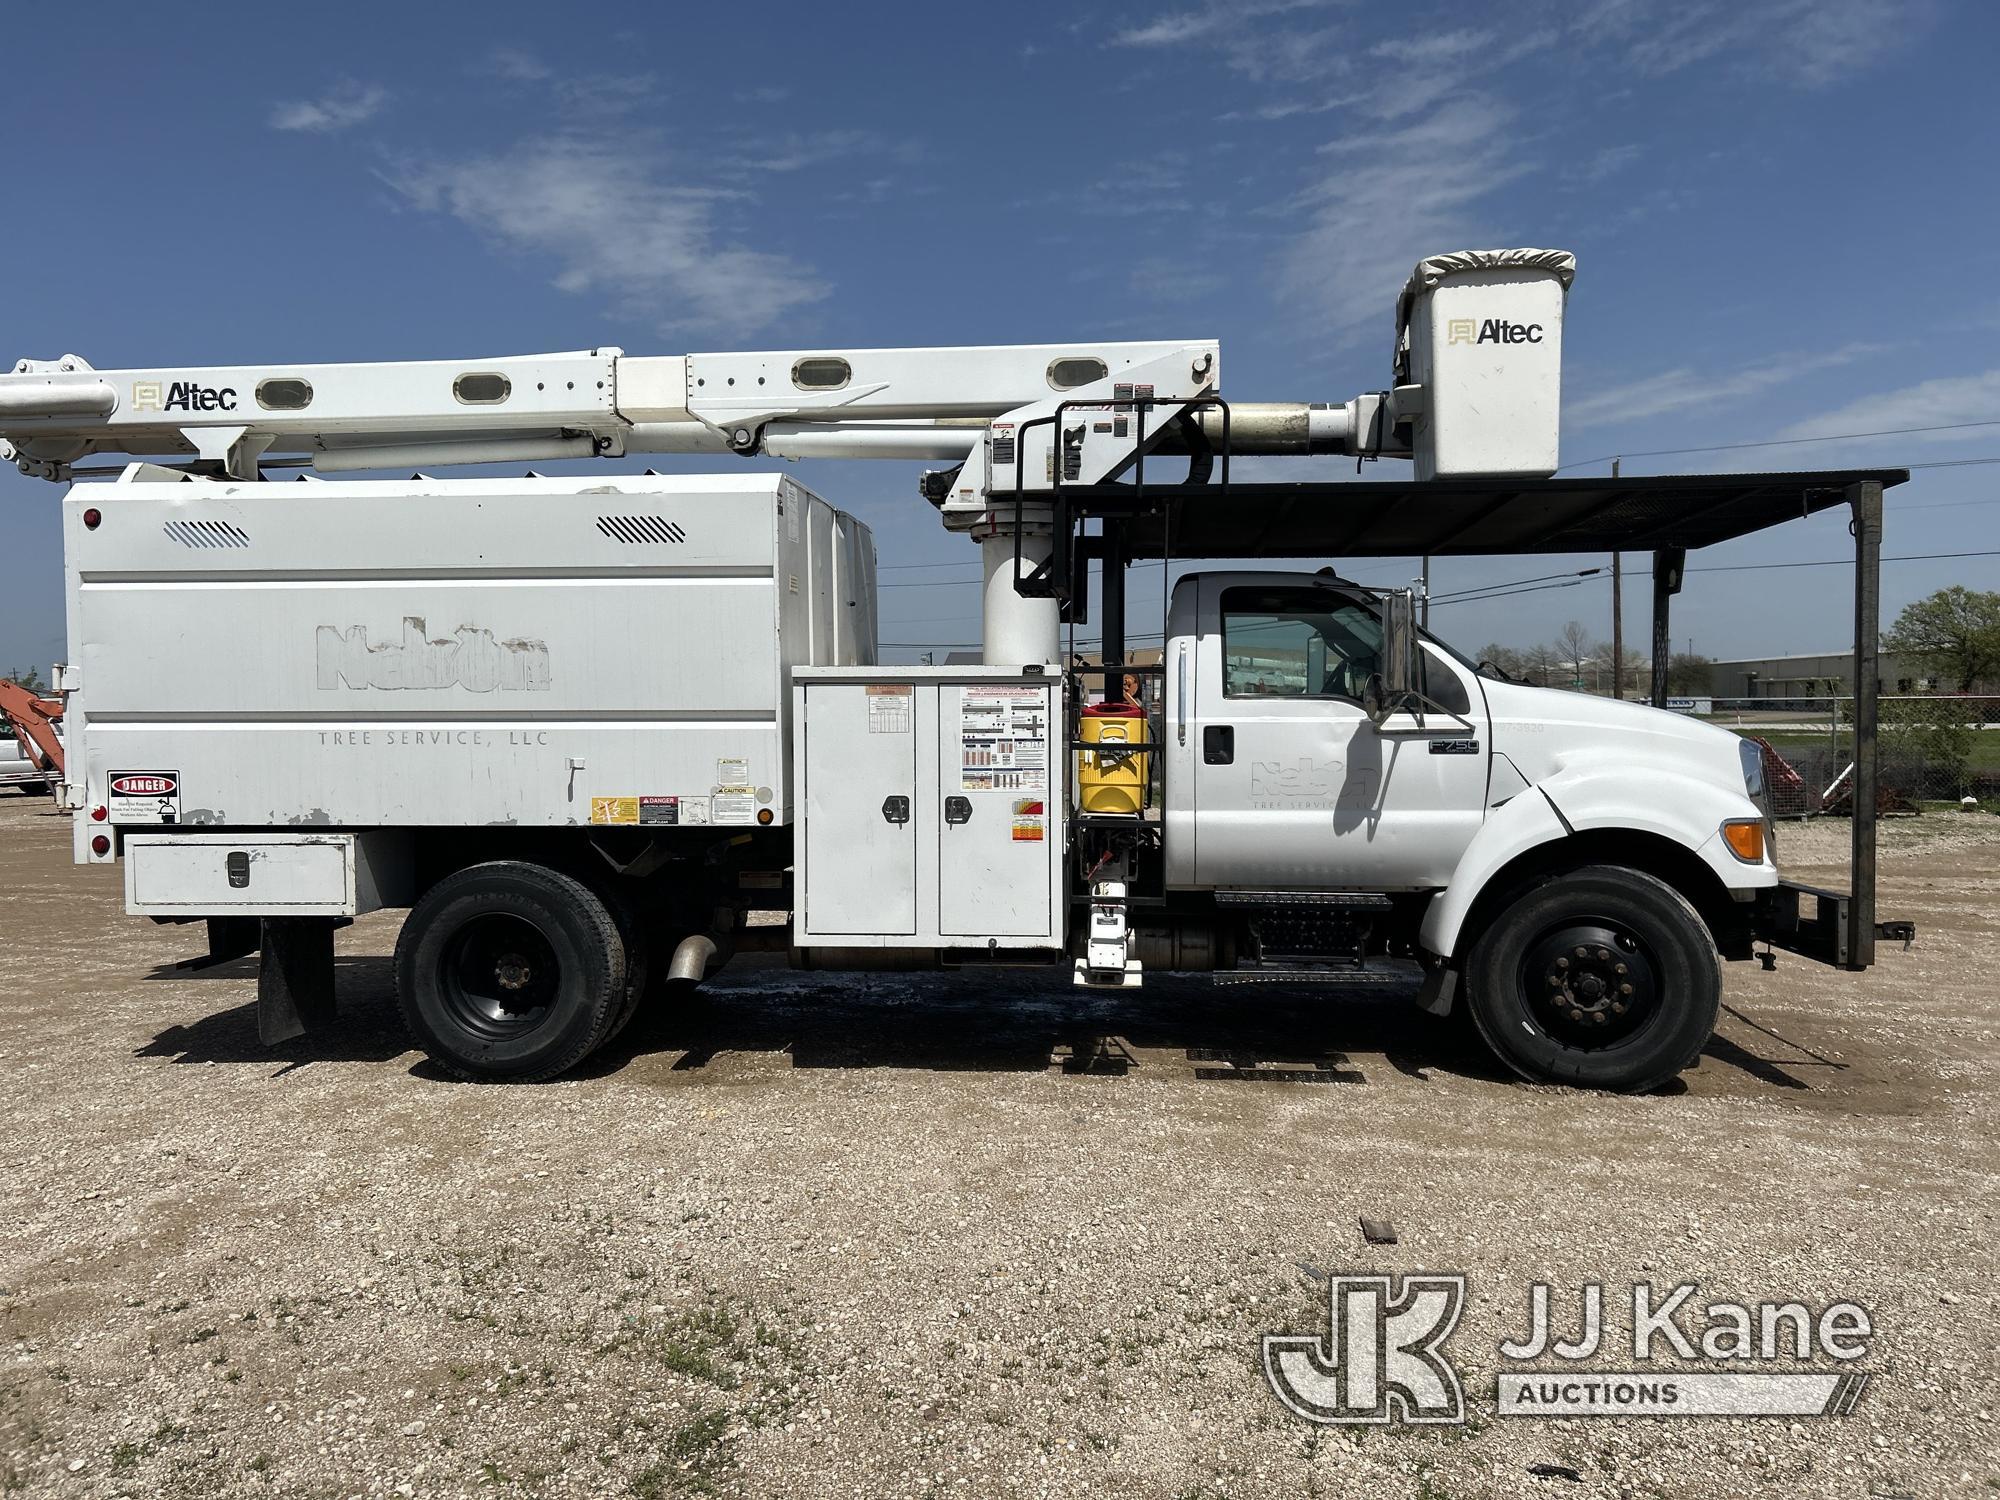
(583, 727)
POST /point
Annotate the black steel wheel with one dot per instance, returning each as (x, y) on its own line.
(510, 972)
(1603, 977)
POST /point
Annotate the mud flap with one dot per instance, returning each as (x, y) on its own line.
(295, 978)
(228, 938)
(1439, 990)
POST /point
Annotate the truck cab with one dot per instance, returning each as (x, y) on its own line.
(1581, 861)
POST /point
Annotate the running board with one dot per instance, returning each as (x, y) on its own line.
(1332, 978)
(1321, 900)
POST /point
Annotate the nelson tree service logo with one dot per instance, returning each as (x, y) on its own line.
(469, 658)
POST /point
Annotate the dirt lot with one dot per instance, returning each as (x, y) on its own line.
(857, 1236)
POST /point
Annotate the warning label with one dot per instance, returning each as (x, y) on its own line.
(1003, 739)
(1030, 819)
(144, 796)
(659, 811)
(617, 810)
(889, 708)
(734, 804)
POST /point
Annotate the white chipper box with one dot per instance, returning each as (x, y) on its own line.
(929, 805)
(540, 652)
(1480, 332)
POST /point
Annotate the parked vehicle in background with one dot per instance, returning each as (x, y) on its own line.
(18, 767)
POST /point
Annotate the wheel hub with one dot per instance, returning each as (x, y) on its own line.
(499, 976)
(1592, 982)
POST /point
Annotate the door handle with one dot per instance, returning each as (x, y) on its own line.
(1218, 744)
(895, 809)
(958, 809)
(1181, 699)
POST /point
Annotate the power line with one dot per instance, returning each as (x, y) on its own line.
(1502, 591)
(1838, 562)
(1831, 437)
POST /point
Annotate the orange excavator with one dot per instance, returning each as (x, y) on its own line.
(34, 719)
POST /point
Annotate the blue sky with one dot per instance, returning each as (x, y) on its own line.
(1784, 213)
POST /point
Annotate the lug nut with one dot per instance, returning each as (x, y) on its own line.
(1576, 1015)
(1619, 970)
(1624, 989)
(1583, 953)
(1603, 955)
(1600, 1018)
(1617, 1007)
(1562, 963)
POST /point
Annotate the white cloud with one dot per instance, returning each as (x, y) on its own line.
(347, 105)
(1687, 390)
(1948, 401)
(795, 151)
(1806, 42)
(615, 222)
(1209, 19)
(602, 94)
(514, 65)
(1386, 199)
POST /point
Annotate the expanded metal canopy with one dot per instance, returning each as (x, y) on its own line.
(1667, 515)
(1458, 517)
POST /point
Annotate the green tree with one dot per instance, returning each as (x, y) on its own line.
(1690, 675)
(1954, 634)
(31, 679)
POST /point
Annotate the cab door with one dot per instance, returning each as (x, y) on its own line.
(1294, 787)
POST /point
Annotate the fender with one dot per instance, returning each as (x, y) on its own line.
(1592, 796)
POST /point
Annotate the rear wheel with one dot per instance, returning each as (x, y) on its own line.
(1601, 978)
(510, 972)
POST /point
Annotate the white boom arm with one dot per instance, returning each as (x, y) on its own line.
(1478, 353)
(860, 403)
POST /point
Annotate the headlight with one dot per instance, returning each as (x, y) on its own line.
(1752, 755)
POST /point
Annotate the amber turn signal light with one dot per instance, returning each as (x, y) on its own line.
(1745, 838)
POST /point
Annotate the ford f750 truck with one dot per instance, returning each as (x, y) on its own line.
(582, 728)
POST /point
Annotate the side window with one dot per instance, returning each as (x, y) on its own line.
(1442, 685)
(1296, 643)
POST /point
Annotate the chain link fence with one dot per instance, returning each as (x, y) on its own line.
(1933, 748)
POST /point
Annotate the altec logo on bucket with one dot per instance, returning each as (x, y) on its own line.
(131, 785)
(1491, 331)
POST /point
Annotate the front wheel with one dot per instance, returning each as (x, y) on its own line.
(510, 972)
(1601, 978)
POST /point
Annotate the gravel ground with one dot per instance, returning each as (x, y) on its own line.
(826, 1235)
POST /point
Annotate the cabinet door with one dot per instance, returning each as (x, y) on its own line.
(997, 825)
(861, 815)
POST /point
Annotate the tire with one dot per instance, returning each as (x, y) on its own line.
(624, 908)
(510, 972)
(1547, 981)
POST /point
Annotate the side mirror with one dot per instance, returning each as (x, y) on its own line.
(1401, 674)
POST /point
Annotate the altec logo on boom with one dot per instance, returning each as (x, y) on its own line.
(181, 395)
(1491, 331)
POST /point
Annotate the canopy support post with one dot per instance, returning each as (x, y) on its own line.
(1865, 500)
(1669, 567)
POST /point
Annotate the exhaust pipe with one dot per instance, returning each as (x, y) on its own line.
(692, 958)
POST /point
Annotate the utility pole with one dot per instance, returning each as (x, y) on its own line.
(1617, 615)
(1425, 618)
